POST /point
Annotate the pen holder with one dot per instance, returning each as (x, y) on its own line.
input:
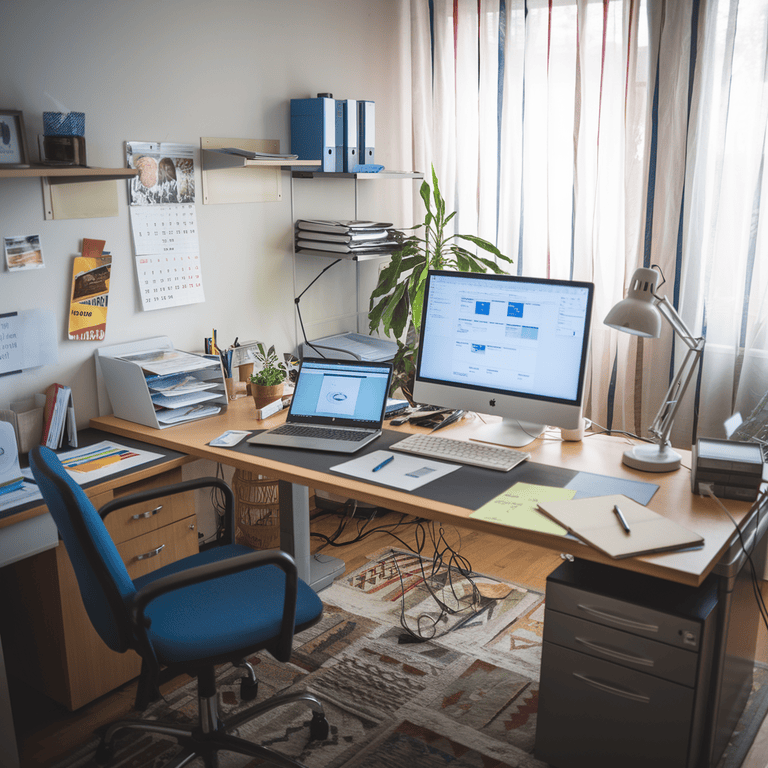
(230, 384)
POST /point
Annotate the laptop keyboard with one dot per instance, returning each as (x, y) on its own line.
(322, 433)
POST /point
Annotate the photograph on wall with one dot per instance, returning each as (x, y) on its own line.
(23, 253)
(166, 173)
(90, 293)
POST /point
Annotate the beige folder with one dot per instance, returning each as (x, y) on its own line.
(595, 521)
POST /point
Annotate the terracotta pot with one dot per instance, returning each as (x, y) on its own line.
(265, 395)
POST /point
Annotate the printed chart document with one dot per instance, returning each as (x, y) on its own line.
(518, 507)
(596, 522)
(403, 471)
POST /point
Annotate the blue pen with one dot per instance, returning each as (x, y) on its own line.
(383, 464)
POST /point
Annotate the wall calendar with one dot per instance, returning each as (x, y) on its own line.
(164, 225)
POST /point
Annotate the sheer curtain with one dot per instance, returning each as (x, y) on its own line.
(588, 137)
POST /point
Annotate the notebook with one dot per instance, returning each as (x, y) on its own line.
(595, 521)
(337, 406)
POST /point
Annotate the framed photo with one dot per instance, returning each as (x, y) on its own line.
(13, 141)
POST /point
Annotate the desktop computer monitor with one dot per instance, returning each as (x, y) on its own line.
(505, 345)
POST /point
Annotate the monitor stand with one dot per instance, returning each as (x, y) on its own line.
(510, 433)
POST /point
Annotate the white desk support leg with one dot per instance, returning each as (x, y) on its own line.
(319, 570)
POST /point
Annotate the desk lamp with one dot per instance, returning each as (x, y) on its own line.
(640, 314)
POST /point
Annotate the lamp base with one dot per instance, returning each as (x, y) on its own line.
(652, 458)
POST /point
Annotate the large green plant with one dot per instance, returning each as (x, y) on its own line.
(396, 302)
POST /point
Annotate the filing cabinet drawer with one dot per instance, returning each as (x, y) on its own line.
(155, 549)
(595, 714)
(138, 519)
(640, 620)
(628, 650)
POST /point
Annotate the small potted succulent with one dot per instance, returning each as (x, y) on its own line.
(266, 384)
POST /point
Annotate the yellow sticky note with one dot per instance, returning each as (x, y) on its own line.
(518, 507)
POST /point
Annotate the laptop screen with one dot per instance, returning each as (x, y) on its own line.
(341, 392)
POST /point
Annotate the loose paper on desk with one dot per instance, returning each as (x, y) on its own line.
(595, 522)
(84, 465)
(404, 471)
(518, 507)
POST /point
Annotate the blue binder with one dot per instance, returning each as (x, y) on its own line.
(313, 131)
(366, 130)
(349, 135)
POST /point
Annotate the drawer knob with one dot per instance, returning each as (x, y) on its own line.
(151, 553)
(146, 514)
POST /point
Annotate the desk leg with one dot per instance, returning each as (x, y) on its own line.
(319, 570)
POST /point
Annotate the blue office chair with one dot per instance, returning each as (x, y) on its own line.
(220, 605)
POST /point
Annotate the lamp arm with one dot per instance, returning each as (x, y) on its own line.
(670, 314)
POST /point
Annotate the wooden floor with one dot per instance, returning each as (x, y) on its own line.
(47, 732)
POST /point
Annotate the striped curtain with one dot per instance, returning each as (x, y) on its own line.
(589, 137)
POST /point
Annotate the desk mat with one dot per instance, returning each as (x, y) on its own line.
(468, 487)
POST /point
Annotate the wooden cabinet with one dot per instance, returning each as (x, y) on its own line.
(48, 638)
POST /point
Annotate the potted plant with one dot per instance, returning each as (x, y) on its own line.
(396, 302)
(266, 384)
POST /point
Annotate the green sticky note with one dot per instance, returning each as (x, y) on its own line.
(518, 508)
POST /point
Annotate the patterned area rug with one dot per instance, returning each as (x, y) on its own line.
(467, 698)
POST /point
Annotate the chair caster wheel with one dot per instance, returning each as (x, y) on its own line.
(104, 753)
(249, 689)
(319, 728)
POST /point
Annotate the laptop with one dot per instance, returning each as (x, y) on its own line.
(337, 406)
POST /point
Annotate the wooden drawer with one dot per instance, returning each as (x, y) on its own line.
(138, 519)
(155, 549)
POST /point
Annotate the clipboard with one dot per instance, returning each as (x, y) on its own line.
(595, 522)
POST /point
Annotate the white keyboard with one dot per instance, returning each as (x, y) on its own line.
(462, 451)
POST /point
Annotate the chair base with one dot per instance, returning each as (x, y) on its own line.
(211, 736)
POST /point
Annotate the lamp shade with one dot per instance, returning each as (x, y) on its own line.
(638, 314)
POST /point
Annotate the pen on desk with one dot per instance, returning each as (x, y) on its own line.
(383, 464)
(622, 520)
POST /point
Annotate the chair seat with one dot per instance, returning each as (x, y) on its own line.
(224, 615)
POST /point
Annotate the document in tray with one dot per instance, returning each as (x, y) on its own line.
(165, 361)
(399, 471)
(596, 522)
(179, 400)
(518, 507)
(187, 413)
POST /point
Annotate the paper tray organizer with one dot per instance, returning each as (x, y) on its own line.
(127, 387)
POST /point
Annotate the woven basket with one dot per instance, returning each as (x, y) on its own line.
(257, 510)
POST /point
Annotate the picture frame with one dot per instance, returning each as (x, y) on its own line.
(13, 140)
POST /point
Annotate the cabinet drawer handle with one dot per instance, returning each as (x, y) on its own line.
(623, 692)
(146, 514)
(620, 620)
(612, 653)
(151, 553)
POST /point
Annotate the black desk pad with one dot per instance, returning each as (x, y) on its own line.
(468, 487)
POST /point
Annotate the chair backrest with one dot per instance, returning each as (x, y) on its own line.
(105, 585)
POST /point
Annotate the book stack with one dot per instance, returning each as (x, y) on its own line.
(350, 238)
(58, 417)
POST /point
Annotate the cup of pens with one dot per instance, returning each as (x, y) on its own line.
(226, 364)
(229, 382)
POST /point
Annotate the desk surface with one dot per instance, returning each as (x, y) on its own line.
(170, 460)
(600, 454)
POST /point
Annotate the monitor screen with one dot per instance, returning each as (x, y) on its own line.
(506, 345)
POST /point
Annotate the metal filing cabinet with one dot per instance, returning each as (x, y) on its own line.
(626, 669)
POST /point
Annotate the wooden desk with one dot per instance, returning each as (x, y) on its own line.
(728, 665)
(600, 454)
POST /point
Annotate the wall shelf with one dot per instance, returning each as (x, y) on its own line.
(69, 173)
(335, 175)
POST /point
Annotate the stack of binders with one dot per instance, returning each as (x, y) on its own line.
(351, 238)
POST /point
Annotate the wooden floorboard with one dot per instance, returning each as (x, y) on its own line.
(47, 732)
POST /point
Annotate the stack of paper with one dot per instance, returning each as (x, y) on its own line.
(348, 237)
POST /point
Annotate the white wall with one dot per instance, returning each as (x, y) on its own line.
(177, 70)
